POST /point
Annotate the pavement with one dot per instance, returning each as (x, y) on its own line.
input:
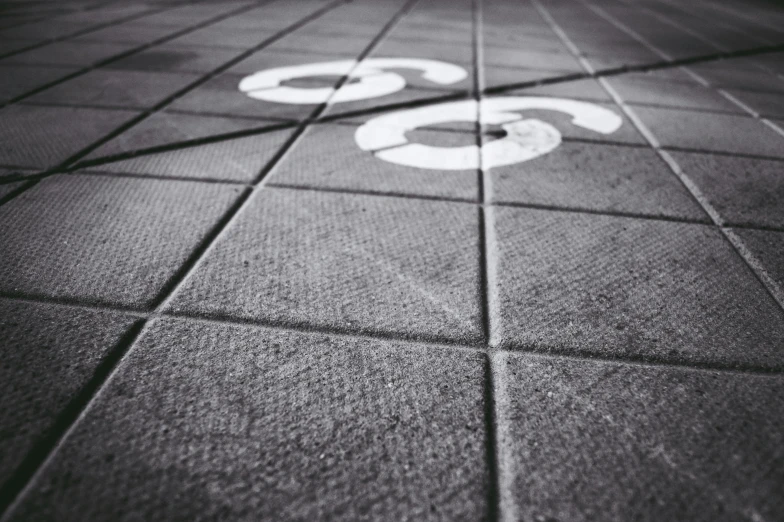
(392, 260)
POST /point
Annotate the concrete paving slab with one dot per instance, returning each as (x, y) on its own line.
(221, 96)
(348, 262)
(587, 89)
(454, 52)
(49, 354)
(745, 191)
(270, 59)
(347, 45)
(722, 74)
(164, 128)
(511, 42)
(21, 79)
(533, 60)
(212, 38)
(116, 88)
(170, 58)
(313, 162)
(766, 104)
(647, 91)
(104, 240)
(28, 137)
(584, 440)
(500, 76)
(240, 159)
(602, 178)
(135, 31)
(767, 246)
(621, 287)
(8, 188)
(209, 421)
(8, 45)
(69, 53)
(726, 133)
(45, 30)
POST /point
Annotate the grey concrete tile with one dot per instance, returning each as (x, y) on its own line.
(606, 178)
(269, 59)
(21, 79)
(8, 45)
(135, 31)
(583, 440)
(745, 191)
(219, 422)
(211, 37)
(587, 89)
(345, 261)
(500, 76)
(116, 88)
(456, 52)
(221, 96)
(163, 128)
(69, 53)
(722, 74)
(515, 43)
(45, 136)
(49, 354)
(104, 240)
(768, 248)
(9, 172)
(327, 156)
(346, 45)
(45, 30)
(766, 104)
(711, 132)
(626, 133)
(623, 287)
(644, 90)
(8, 188)
(240, 159)
(172, 58)
(533, 60)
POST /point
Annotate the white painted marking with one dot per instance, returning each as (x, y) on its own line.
(373, 82)
(525, 138)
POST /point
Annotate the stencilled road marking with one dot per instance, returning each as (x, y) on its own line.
(525, 138)
(385, 136)
(373, 80)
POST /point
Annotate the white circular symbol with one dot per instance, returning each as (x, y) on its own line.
(525, 138)
(372, 82)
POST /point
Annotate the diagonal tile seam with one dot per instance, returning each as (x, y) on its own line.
(753, 264)
(44, 451)
(136, 50)
(90, 29)
(66, 165)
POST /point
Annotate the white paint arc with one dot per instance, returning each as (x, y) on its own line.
(525, 138)
(373, 80)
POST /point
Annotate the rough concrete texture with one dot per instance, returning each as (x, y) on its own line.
(219, 422)
(69, 53)
(27, 139)
(348, 262)
(116, 88)
(174, 57)
(583, 440)
(745, 191)
(22, 79)
(168, 128)
(49, 354)
(640, 89)
(620, 287)
(767, 246)
(97, 239)
(8, 188)
(312, 163)
(240, 159)
(605, 178)
(706, 131)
